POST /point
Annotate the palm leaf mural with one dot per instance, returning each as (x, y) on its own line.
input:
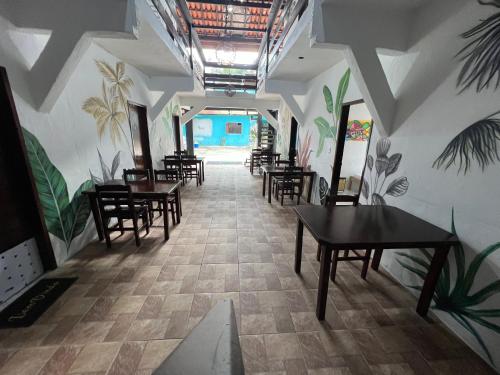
(341, 92)
(481, 55)
(325, 131)
(65, 219)
(120, 84)
(477, 142)
(459, 302)
(107, 114)
(108, 174)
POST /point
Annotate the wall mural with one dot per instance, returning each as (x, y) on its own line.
(108, 174)
(375, 190)
(459, 302)
(480, 56)
(358, 130)
(110, 110)
(325, 129)
(478, 142)
(65, 218)
(304, 150)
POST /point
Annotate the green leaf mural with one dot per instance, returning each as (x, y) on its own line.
(325, 130)
(65, 219)
(341, 92)
(459, 302)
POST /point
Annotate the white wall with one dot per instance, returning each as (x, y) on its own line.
(69, 135)
(431, 112)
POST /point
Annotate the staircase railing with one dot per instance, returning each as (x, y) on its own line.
(176, 19)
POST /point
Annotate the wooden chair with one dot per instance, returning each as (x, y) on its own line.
(190, 170)
(135, 174)
(247, 160)
(173, 162)
(282, 163)
(293, 179)
(346, 256)
(181, 153)
(266, 158)
(116, 201)
(169, 176)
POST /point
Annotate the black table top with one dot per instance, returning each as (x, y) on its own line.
(361, 227)
(143, 187)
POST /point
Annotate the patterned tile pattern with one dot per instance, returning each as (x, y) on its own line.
(132, 306)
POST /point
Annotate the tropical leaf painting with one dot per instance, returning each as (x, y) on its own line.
(304, 150)
(324, 190)
(374, 187)
(481, 55)
(65, 218)
(110, 110)
(462, 300)
(325, 129)
(478, 142)
(108, 174)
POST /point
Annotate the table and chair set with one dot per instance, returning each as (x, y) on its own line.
(352, 232)
(134, 199)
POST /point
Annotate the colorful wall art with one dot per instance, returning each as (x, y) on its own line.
(359, 130)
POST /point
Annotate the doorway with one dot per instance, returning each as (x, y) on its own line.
(138, 119)
(353, 143)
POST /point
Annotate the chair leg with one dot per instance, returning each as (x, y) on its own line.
(282, 195)
(160, 208)
(146, 223)
(298, 197)
(150, 212)
(318, 253)
(333, 271)
(172, 210)
(106, 236)
(136, 232)
(364, 271)
(120, 225)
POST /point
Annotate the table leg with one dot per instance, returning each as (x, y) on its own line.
(309, 191)
(264, 184)
(376, 259)
(97, 217)
(251, 164)
(178, 205)
(298, 245)
(203, 170)
(165, 217)
(364, 270)
(437, 263)
(269, 179)
(324, 275)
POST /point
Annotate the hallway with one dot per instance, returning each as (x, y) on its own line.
(131, 306)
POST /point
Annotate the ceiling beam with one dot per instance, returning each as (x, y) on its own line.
(231, 28)
(234, 66)
(229, 38)
(225, 86)
(251, 4)
(230, 76)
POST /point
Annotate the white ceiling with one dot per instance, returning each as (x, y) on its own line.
(316, 60)
(400, 4)
(148, 53)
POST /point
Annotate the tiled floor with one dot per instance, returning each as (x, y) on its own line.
(131, 306)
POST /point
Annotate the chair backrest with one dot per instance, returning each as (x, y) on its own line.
(266, 157)
(114, 197)
(182, 152)
(172, 162)
(136, 175)
(189, 164)
(188, 157)
(166, 175)
(294, 174)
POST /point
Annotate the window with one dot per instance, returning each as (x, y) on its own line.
(234, 127)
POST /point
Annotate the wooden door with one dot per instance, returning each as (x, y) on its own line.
(138, 119)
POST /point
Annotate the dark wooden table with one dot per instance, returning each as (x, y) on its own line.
(272, 171)
(370, 227)
(159, 191)
(254, 154)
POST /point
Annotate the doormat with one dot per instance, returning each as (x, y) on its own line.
(25, 310)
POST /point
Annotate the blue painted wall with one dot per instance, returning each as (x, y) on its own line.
(218, 136)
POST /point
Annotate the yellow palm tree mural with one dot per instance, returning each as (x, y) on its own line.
(111, 109)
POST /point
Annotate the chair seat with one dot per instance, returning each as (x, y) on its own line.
(124, 211)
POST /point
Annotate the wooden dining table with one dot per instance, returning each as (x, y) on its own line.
(271, 171)
(158, 191)
(380, 228)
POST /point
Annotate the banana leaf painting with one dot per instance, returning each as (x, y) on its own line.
(65, 218)
(379, 169)
(481, 55)
(108, 174)
(477, 142)
(461, 298)
(326, 130)
(324, 190)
